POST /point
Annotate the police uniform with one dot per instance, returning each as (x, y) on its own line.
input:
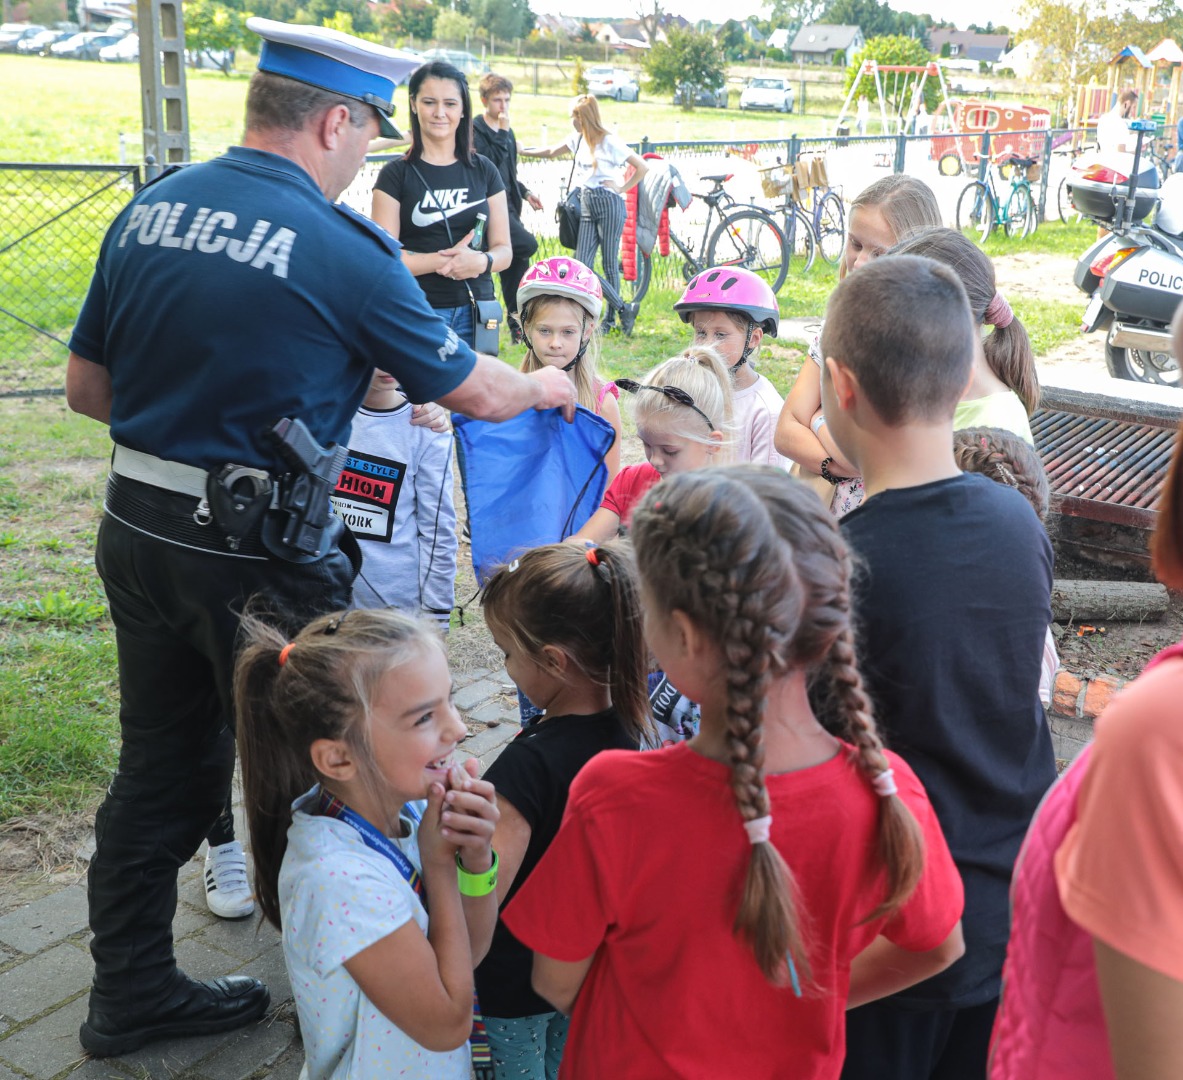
(227, 295)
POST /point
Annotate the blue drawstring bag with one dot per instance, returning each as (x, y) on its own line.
(530, 480)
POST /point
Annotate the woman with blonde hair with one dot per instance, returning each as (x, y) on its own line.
(598, 175)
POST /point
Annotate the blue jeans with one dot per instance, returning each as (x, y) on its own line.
(460, 320)
(529, 1047)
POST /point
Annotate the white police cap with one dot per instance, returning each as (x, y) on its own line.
(337, 62)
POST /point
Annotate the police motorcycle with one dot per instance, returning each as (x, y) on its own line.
(1134, 274)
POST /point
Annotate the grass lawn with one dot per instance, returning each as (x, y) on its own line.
(58, 695)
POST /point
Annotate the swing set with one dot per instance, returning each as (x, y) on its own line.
(914, 76)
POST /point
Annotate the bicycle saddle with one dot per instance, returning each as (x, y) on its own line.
(1023, 162)
(719, 178)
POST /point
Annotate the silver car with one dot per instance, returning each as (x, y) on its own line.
(612, 82)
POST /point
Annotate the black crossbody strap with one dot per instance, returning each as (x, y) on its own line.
(451, 240)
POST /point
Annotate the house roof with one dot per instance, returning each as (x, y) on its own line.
(1166, 51)
(971, 45)
(822, 38)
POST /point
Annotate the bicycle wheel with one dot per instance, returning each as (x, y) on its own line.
(975, 211)
(829, 224)
(800, 243)
(634, 291)
(1064, 202)
(1019, 215)
(753, 240)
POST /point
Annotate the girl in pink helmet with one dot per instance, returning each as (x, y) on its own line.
(559, 306)
(731, 309)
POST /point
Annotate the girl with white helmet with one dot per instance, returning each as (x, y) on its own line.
(559, 306)
(731, 309)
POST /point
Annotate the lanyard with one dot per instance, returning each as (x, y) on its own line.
(331, 806)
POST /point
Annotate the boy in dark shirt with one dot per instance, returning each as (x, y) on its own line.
(953, 602)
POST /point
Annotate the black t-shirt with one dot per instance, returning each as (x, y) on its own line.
(501, 148)
(534, 772)
(460, 192)
(952, 605)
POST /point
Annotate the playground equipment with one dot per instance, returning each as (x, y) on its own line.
(1015, 131)
(914, 75)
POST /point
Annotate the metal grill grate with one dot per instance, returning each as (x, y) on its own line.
(1102, 468)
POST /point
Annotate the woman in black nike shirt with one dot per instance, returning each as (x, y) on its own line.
(432, 198)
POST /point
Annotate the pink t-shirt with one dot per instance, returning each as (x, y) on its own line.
(757, 409)
(1120, 868)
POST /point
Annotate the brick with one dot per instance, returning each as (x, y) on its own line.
(484, 741)
(255, 1048)
(36, 926)
(468, 697)
(44, 981)
(243, 938)
(1098, 694)
(45, 1048)
(1066, 693)
(171, 1058)
(289, 1067)
(269, 967)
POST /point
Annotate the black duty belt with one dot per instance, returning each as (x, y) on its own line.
(175, 517)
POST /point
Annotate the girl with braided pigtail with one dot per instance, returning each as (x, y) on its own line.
(830, 887)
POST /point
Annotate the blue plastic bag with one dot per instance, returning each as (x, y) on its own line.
(531, 480)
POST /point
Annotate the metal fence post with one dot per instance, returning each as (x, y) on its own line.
(901, 149)
(645, 145)
(792, 149)
(984, 160)
(1045, 175)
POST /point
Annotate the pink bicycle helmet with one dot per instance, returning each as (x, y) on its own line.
(560, 275)
(731, 288)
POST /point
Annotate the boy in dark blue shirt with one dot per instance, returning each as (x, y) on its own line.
(953, 602)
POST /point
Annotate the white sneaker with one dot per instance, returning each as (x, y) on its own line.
(227, 890)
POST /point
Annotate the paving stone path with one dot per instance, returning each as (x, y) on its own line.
(45, 965)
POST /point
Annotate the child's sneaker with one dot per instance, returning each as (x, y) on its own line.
(227, 890)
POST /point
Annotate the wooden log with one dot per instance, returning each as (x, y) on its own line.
(1114, 601)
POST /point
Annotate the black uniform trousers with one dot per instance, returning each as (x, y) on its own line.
(524, 246)
(175, 611)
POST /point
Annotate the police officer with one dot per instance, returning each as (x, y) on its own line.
(228, 295)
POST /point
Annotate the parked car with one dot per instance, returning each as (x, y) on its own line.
(768, 92)
(12, 34)
(612, 82)
(123, 51)
(83, 46)
(458, 58)
(706, 96)
(41, 41)
(211, 59)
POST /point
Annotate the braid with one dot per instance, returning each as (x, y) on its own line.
(706, 545)
(1004, 458)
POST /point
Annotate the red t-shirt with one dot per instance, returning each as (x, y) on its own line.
(626, 490)
(648, 868)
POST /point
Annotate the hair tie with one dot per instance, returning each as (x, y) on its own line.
(884, 783)
(593, 556)
(998, 313)
(285, 652)
(758, 829)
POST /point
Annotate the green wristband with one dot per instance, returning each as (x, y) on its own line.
(476, 884)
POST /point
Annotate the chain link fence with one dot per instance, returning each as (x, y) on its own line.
(53, 222)
(55, 216)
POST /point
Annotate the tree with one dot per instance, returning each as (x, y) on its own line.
(897, 91)
(505, 19)
(649, 12)
(686, 56)
(872, 17)
(211, 27)
(791, 15)
(451, 26)
(407, 18)
(733, 39)
(342, 22)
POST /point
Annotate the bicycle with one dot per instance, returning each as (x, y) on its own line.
(980, 209)
(818, 208)
(745, 235)
(1068, 213)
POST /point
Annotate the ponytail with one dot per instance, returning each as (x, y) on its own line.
(1010, 356)
(585, 602)
(288, 694)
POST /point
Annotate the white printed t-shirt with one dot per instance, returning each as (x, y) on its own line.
(338, 897)
(757, 410)
(607, 163)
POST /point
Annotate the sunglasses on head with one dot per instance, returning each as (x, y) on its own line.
(674, 393)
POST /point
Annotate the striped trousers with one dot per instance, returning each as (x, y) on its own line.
(601, 225)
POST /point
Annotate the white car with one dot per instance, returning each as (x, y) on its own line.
(610, 82)
(126, 50)
(768, 92)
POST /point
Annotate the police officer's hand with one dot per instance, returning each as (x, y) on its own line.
(431, 416)
(558, 392)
